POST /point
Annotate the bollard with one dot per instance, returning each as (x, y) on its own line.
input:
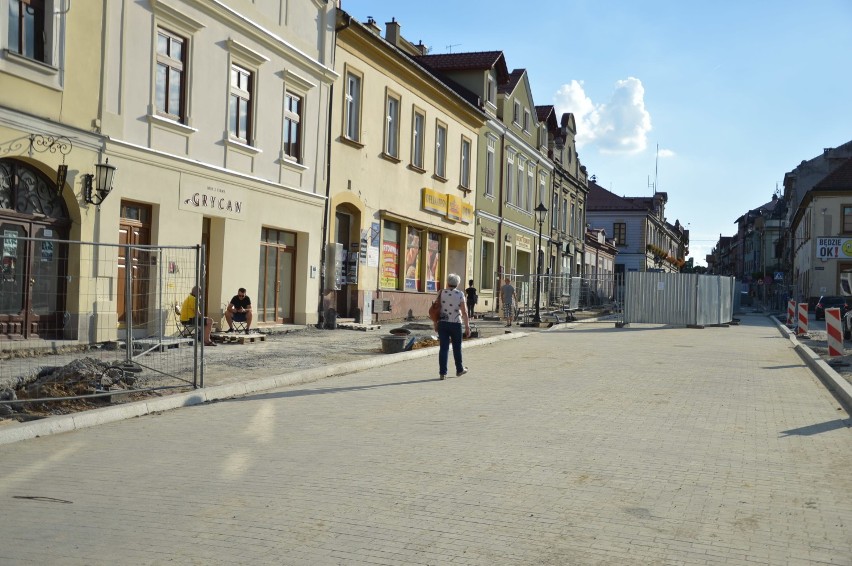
(834, 332)
(791, 312)
(802, 327)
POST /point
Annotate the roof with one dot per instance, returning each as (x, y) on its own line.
(600, 199)
(838, 180)
(547, 114)
(512, 81)
(471, 61)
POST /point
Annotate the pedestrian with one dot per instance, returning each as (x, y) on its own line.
(471, 297)
(510, 297)
(190, 314)
(454, 319)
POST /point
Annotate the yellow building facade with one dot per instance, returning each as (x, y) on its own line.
(402, 192)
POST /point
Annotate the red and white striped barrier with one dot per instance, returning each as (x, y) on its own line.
(834, 332)
(791, 312)
(802, 327)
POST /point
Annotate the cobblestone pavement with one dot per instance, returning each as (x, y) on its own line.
(591, 445)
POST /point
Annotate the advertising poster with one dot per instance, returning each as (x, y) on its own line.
(390, 264)
(433, 262)
(412, 260)
(373, 247)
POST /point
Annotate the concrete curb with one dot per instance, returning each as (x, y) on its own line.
(66, 423)
(832, 380)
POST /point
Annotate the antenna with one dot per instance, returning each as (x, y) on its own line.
(450, 47)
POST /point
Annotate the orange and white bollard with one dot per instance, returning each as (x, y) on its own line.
(802, 326)
(834, 331)
(791, 312)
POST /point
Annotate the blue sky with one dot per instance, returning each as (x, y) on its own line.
(734, 93)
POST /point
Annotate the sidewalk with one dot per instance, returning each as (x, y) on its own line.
(589, 445)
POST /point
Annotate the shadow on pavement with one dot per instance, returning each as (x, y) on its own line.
(811, 430)
(322, 391)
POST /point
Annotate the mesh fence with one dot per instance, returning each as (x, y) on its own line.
(562, 297)
(82, 319)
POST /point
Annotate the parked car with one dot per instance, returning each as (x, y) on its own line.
(831, 302)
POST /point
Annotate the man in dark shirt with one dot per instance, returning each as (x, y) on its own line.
(239, 310)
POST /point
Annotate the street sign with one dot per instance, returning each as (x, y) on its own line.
(779, 276)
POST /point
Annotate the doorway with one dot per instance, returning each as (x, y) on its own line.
(343, 227)
(134, 229)
(276, 288)
(33, 259)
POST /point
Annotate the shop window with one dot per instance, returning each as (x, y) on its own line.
(390, 255)
(486, 269)
(433, 262)
(412, 260)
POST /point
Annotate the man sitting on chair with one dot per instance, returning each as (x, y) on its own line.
(189, 311)
(239, 310)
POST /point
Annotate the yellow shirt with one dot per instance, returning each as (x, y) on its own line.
(188, 310)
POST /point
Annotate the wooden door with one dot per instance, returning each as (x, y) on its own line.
(134, 230)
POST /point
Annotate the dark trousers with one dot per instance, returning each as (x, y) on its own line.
(449, 332)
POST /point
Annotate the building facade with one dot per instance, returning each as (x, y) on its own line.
(644, 239)
(404, 153)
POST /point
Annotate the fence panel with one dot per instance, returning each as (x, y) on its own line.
(85, 320)
(683, 299)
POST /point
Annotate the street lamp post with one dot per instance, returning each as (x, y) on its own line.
(540, 213)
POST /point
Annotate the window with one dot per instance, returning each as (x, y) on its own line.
(418, 131)
(489, 165)
(510, 176)
(433, 262)
(392, 126)
(542, 187)
(441, 151)
(571, 228)
(170, 82)
(389, 275)
(520, 199)
(516, 113)
(27, 34)
(619, 233)
(464, 176)
(564, 212)
(293, 126)
(486, 266)
(352, 107)
(847, 219)
(490, 90)
(526, 120)
(240, 111)
(531, 189)
(554, 212)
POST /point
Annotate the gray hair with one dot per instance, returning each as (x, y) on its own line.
(453, 280)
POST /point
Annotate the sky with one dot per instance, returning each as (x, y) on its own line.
(710, 102)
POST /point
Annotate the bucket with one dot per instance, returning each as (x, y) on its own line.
(393, 344)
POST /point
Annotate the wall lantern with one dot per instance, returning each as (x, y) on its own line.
(97, 192)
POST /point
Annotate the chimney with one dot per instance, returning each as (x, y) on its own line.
(392, 32)
(373, 26)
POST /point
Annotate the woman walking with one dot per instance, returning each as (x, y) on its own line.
(454, 319)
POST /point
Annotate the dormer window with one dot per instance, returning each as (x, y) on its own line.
(490, 90)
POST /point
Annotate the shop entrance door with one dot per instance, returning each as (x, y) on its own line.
(33, 263)
(276, 290)
(134, 230)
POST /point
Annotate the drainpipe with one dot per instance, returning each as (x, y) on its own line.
(500, 243)
(325, 214)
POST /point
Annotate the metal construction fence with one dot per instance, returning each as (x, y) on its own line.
(84, 319)
(562, 295)
(686, 299)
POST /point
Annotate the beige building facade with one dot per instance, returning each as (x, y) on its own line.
(404, 149)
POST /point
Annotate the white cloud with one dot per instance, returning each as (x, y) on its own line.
(619, 126)
(665, 153)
